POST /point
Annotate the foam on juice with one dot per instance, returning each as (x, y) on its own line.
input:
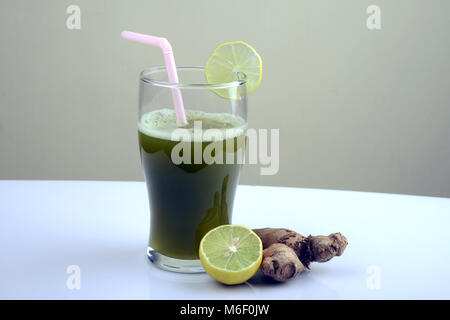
(162, 123)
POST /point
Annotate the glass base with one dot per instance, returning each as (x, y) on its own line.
(172, 264)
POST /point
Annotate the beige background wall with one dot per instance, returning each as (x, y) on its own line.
(357, 109)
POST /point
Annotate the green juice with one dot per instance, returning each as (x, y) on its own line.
(189, 199)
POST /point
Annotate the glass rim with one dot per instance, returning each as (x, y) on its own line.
(145, 76)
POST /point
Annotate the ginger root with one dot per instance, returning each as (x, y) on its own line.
(287, 253)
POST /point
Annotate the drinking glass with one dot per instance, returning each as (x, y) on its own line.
(190, 198)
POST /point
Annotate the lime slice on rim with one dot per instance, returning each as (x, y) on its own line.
(230, 58)
(231, 254)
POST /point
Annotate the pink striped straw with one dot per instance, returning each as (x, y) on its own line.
(169, 60)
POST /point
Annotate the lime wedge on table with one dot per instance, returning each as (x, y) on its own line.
(230, 58)
(231, 254)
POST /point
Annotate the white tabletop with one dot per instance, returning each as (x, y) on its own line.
(398, 245)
